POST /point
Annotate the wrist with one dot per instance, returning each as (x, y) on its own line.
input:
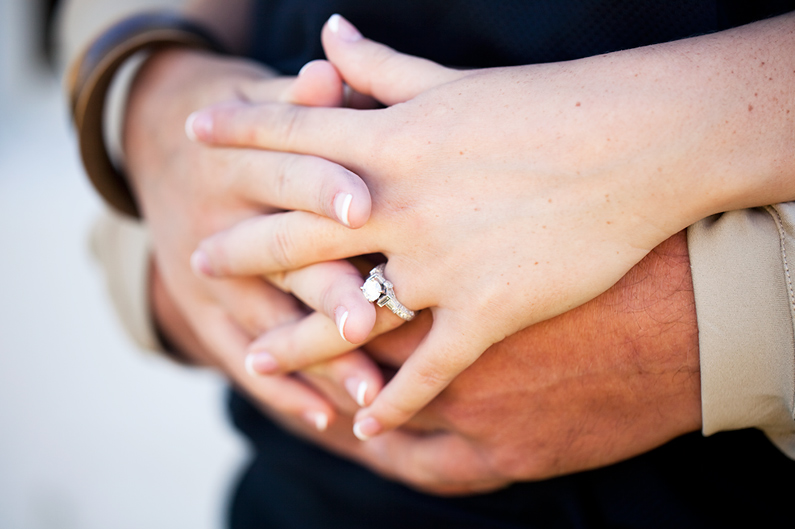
(700, 126)
(731, 103)
(668, 338)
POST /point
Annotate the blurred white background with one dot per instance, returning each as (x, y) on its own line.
(93, 433)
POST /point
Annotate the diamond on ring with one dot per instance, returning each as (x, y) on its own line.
(378, 289)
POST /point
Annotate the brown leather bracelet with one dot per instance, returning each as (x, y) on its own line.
(90, 78)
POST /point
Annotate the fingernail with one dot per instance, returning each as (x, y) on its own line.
(341, 313)
(342, 205)
(261, 363)
(357, 389)
(304, 68)
(343, 29)
(366, 428)
(317, 419)
(360, 394)
(189, 127)
(200, 264)
(198, 125)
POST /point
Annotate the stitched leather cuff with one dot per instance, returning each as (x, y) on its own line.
(90, 78)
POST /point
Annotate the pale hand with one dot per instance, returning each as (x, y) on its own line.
(501, 197)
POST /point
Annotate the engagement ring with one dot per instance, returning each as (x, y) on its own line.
(378, 289)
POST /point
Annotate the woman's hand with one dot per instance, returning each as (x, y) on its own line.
(504, 197)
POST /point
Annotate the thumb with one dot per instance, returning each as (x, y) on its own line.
(377, 70)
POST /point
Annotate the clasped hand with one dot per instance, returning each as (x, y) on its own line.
(500, 197)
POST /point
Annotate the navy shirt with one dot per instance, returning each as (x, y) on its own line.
(482, 33)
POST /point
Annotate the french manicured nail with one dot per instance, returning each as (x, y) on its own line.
(198, 125)
(200, 263)
(304, 67)
(366, 428)
(341, 314)
(343, 29)
(261, 363)
(342, 206)
(189, 127)
(317, 419)
(357, 389)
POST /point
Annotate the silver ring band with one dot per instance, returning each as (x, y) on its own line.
(378, 289)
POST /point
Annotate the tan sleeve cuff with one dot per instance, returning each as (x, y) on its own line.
(741, 263)
(121, 246)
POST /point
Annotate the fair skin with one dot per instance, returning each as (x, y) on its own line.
(574, 171)
(212, 321)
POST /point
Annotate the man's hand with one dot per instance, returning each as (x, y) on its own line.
(187, 192)
(611, 379)
(606, 381)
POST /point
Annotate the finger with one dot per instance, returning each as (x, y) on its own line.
(446, 351)
(337, 134)
(273, 243)
(377, 70)
(254, 304)
(333, 289)
(284, 394)
(307, 183)
(433, 462)
(353, 375)
(318, 84)
(313, 339)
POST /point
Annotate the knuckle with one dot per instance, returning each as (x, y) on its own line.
(254, 322)
(218, 253)
(328, 300)
(328, 175)
(290, 125)
(529, 463)
(282, 246)
(432, 376)
(281, 183)
(297, 357)
(396, 413)
(383, 63)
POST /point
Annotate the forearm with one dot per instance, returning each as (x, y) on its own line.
(712, 120)
(748, 85)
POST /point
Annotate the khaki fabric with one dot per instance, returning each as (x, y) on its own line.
(80, 21)
(742, 263)
(121, 246)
